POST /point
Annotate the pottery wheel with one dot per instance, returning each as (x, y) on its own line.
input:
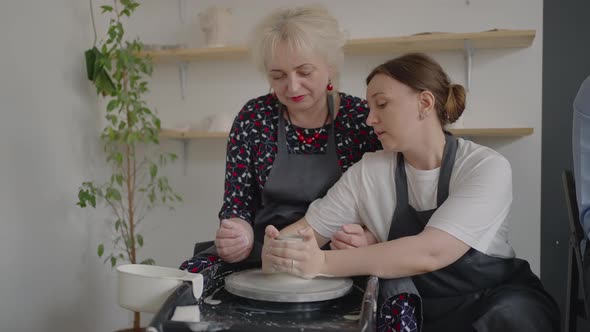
(283, 287)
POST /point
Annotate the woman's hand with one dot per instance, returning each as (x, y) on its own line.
(270, 234)
(301, 258)
(352, 236)
(234, 240)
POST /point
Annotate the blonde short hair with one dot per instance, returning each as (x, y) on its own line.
(309, 30)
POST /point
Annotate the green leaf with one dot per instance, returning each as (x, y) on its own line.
(85, 197)
(120, 31)
(131, 138)
(106, 9)
(152, 196)
(100, 250)
(132, 122)
(90, 56)
(112, 134)
(153, 170)
(119, 178)
(117, 224)
(113, 261)
(100, 76)
(148, 261)
(104, 84)
(112, 119)
(140, 240)
(112, 105)
(143, 87)
(95, 71)
(108, 66)
(113, 194)
(162, 183)
(112, 32)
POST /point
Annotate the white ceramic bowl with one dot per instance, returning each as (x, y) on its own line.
(145, 288)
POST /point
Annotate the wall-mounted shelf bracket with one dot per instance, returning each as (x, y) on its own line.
(182, 10)
(185, 149)
(468, 47)
(182, 69)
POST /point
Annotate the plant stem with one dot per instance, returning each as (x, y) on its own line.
(136, 320)
(130, 189)
(120, 205)
(131, 164)
(121, 228)
(93, 24)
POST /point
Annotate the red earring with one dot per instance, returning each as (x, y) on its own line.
(330, 87)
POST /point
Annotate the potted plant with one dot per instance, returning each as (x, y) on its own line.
(130, 139)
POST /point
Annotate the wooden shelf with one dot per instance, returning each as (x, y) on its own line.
(431, 41)
(195, 54)
(191, 134)
(494, 132)
(441, 42)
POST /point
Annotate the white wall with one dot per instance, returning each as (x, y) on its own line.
(50, 276)
(505, 91)
(50, 279)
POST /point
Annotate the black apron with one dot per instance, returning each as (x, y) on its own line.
(477, 291)
(296, 180)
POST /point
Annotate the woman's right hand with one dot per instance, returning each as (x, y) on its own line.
(234, 240)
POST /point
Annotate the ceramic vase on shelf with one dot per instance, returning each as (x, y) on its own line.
(214, 22)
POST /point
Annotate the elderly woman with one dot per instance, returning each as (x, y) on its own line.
(288, 147)
(438, 206)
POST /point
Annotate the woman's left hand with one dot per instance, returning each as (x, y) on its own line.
(301, 258)
(352, 236)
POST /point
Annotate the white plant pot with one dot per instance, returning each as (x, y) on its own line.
(145, 288)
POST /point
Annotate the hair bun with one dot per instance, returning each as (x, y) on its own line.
(455, 104)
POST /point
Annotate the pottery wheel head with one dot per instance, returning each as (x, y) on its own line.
(283, 287)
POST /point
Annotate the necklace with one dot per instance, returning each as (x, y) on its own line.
(308, 139)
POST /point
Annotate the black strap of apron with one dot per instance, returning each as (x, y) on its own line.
(448, 161)
(401, 192)
(444, 179)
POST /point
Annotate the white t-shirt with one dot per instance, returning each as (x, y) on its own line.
(476, 211)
